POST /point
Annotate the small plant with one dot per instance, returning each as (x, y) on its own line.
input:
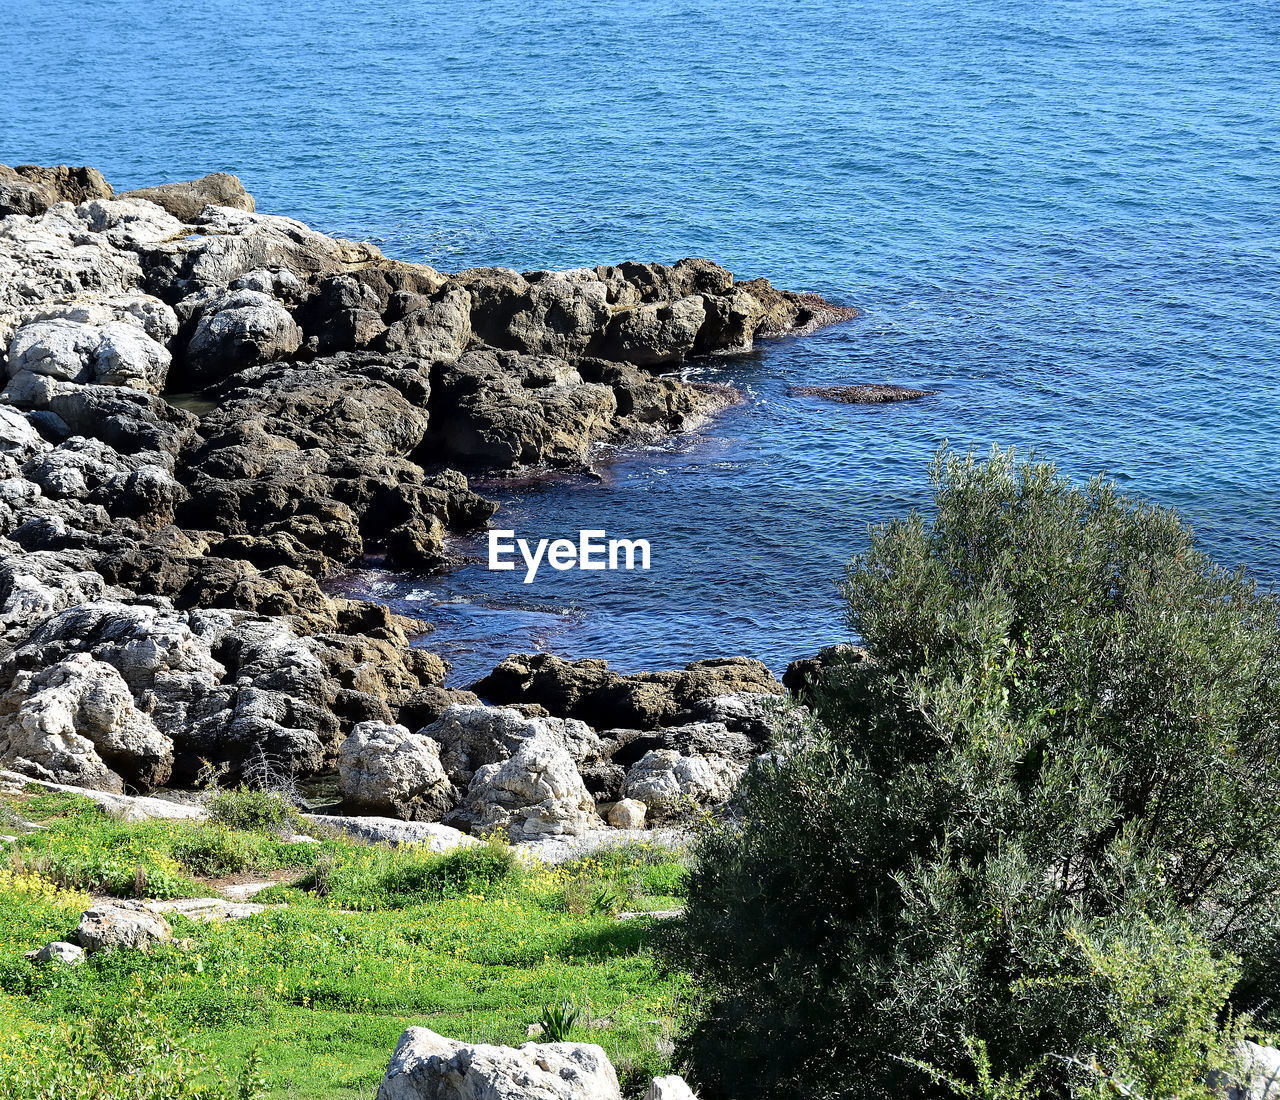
(986, 1085)
(608, 899)
(557, 1021)
(252, 808)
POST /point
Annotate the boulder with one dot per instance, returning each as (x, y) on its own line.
(31, 189)
(806, 671)
(1259, 1073)
(625, 747)
(187, 200)
(473, 736)
(108, 927)
(66, 953)
(235, 329)
(427, 1066)
(75, 722)
(50, 357)
(387, 769)
(627, 814)
(537, 792)
(672, 785)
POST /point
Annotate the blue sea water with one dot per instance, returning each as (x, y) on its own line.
(1064, 215)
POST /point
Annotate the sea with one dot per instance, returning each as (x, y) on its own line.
(1064, 216)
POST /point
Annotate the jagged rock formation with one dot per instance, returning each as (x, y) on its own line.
(206, 411)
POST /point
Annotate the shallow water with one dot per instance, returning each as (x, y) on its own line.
(1064, 217)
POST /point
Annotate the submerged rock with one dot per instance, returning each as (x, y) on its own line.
(861, 395)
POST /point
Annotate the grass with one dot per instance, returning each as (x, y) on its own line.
(365, 941)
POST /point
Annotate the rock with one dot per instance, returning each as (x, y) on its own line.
(223, 244)
(755, 716)
(536, 792)
(384, 830)
(561, 849)
(503, 409)
(669, 1088)
(75, 722)
(128, 807)
(657, 335)
(802, 673)
(31, 189)
(314, 456)
(427, 1066)
(235, 329)
(625, 747)
(861, 395)
(1259, 1073)
(627, 814)
(47, 358)
(588, 690)
(187, 200)
(66, 953)
(387, 769)
(106, 927)
(672, 785)
(203, 910)
(471, 737)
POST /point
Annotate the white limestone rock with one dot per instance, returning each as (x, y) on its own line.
(537, 792)
(672, 785)
(627, 814)
(386, 769)
(427, 1066)
(471, 736)
(237, 329)
(671, 1087)
(66, 953)
(113, 927)
(75, 722)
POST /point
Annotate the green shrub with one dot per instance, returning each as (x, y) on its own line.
(251, 808)
(376, 877)
(123, 1056)
(1069, 732)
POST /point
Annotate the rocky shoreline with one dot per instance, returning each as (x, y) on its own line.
(208, 410)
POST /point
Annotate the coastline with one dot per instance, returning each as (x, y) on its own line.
(172, 560)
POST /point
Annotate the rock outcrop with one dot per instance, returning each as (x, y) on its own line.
(588, 690)
(536, 792)
(207, 411)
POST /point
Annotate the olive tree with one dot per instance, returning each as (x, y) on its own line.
(1067, 735)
